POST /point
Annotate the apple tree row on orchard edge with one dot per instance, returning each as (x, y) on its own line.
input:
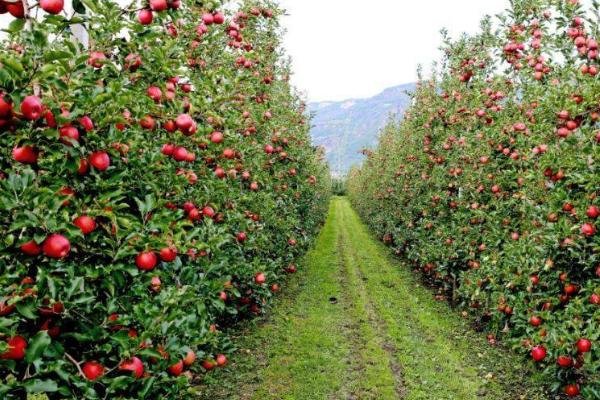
(156, 185)
(490, 185)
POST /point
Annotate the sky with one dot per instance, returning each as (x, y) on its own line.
(344, 49)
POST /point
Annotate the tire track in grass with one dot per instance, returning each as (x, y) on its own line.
(372, 377)
(389, 383)
(440, 357)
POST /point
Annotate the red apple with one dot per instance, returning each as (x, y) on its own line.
(133, 62)
(564, 361)
(84, 166)
(55, 309)
(260, 278)
(176, 369)
(572, 390)
(16, 9)
(167, 149)
(168, 254)
(241, 237)
(291, 269)
(208, 364)
(220, 172)
(6, 109)
(92, 370)
(221, 360)
(147, 122)
(56, 246)
(68, 134)
(31, 248)
(52, 6)
(538, 353)
(87, 123)
(180, 154)
(6, 309)
(189, 359)
(218, 18)
(145, 17)
(16, 349)
(228, 154)
(535, 321)
(194, 215)
(100, 160)
(97, 59)
(146, 260)
(85, 223)
(32, 108)
(588, 229)
(184, 122)
(208, 211)
(134, 365)
(25, 154)
(216, 137)
(158, 5)
(154, 93)
(593, 212)
(208, 18)
(584, 345)
(170, 126)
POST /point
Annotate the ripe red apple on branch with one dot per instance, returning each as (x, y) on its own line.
(52, 6)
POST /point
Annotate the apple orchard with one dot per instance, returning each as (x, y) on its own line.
(490, 186)
(157, 184)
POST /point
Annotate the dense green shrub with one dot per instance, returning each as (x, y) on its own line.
(338, 186)
(156, 187)
(490, 185)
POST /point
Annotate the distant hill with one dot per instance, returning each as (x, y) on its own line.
(346, 127)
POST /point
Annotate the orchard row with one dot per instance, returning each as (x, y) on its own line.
(157, 184)
(489, 186)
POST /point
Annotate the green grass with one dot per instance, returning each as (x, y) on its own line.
(356, 324)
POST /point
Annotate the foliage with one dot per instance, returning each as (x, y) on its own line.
(182, 145)
(338, 186)
(490, 185)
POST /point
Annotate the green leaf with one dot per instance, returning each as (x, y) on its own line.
(40, 386)
(15, 26)
(147, 387)
(37, 345)
(26, 310)
(57, 55)
(14, 64)
(78, 6)
(40, 38)
(76, 284)
(4, 77)
(90, 5)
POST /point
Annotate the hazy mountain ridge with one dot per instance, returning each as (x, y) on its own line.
(345, 127)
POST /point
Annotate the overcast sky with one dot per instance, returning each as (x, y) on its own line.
(355, 48)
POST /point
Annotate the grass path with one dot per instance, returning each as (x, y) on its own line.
(357, 325)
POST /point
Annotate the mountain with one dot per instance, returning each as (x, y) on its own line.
(343, 128)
